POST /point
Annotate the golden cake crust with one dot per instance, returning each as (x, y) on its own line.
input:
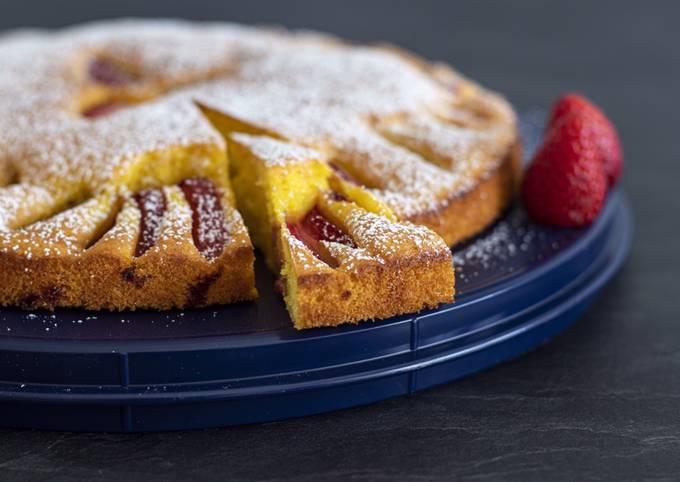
(468, 213)
(370, 287)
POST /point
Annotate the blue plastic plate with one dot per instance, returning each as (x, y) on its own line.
(518, 285)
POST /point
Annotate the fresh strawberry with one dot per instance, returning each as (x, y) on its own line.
(608, 141)
(566, 183)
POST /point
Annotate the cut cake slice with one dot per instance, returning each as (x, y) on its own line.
(341, 254)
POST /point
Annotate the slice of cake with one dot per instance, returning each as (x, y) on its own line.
(340, 252)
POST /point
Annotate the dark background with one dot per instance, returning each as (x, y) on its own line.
(601, 401)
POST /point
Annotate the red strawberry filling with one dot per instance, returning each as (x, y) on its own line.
(208, 229)
(337, 196)
(314, 228)
(103, 109)
(344, 174)
(151, 204)
(106, 72)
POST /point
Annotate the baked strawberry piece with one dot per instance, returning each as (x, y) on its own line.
(105, 72)
(315, 228)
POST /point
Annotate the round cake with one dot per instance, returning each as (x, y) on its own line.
(131, 152)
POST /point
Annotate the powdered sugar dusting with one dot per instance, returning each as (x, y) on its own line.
(388, 240)
(319, 94)
(512, 244)
(274, 152)
(151, 205)
(304, 87)
(209, 227)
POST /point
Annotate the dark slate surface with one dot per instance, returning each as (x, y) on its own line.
(601, 401)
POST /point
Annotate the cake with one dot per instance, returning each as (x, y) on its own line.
(132, 151)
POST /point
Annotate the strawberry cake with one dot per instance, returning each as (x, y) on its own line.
(141, 161)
